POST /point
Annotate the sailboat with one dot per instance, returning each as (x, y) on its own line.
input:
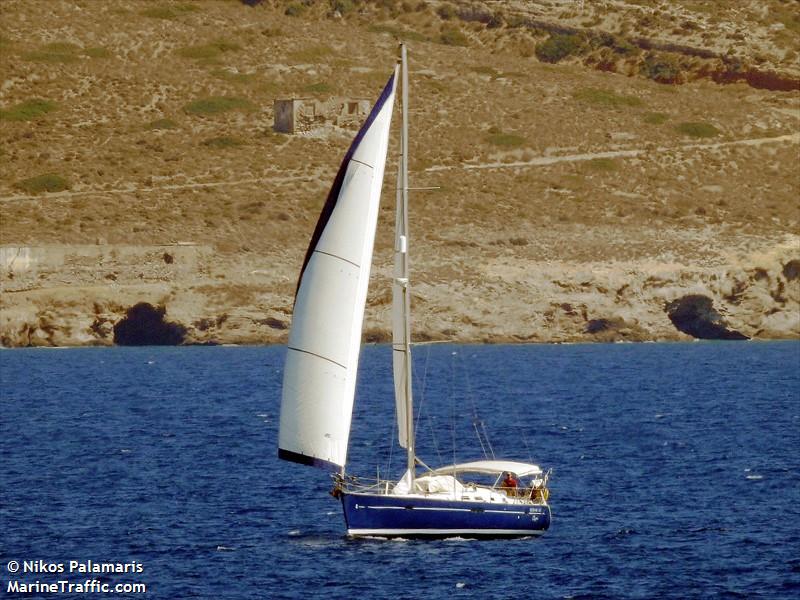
(484, 498)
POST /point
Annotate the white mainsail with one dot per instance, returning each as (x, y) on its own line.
(401, 351)
(322, 360)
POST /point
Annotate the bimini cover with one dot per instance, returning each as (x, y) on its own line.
(320, 374)
(491, 467)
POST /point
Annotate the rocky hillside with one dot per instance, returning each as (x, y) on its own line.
(611, 170)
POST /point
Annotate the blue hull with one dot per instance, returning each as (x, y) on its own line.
(398, 516)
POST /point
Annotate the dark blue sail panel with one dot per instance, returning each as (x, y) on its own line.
(333, 195)
(308, 460)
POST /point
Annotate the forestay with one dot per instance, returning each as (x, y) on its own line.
(324, 342)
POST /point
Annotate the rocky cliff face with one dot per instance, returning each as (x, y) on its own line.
(582, 195)
(510, 299)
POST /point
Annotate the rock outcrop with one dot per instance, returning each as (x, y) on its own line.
(695, 315)
(615, 329)
(144, 325)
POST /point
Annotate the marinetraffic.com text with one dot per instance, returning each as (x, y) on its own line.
(72, 577)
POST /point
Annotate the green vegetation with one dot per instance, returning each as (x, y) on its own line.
(516, 21)
(312, 54)
(452, 36)
(662, 68)
(28, 110)
(562, 45)
(655, 118)
(788, 16)
(233, 77)
(437, 87)
(486, 70)
(505, 140)
(169, 11)
(497, 20)
(208, 51)
(49, 182)
(606, 98)
(446, 12)
(63, 47)
(602, 164)
(472, 13)
(161, 124)
(269, 88)
(343, 6)
(97, 52)
(59, 52)
(398, 32)
(559, 46)
(319, 88)
(618, 44)
(216, 105)
(294, 9)
(698, 130)
(222, 142)
(64, 52)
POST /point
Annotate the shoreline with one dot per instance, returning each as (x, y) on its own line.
(509, 342)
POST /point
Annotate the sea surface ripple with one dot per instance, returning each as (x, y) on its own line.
(676, 471)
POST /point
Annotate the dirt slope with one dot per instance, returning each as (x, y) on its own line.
(576, 199)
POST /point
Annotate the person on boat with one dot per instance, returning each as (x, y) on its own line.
(509, 485)
(538, 492)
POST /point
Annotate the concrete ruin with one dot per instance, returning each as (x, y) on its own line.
(297, 115)
(29, 267)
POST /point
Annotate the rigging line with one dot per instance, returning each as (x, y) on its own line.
(480, 440)
(483, 437)
(422, 463)
(453, 402)
(524, 436)
(421, 392)
(475, 415)
(527, 447)
(520, 417)
(488, 441)
(424, 382)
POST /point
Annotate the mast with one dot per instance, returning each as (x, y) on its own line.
(404, 252)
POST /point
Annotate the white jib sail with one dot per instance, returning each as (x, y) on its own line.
(322, 360)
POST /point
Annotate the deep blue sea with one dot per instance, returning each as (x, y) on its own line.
(676, 471)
